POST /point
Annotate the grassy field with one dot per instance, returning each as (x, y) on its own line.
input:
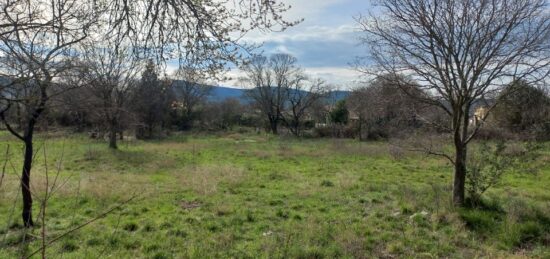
(250, 196)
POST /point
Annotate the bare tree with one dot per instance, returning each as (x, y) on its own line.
(524, 110)
(270, 80)
(383, 109)
(222, 115)
(264, 98)
(302, 95)
(204, 34)
(459, 51)
(190, 90)
(32, 57)
(111, 71)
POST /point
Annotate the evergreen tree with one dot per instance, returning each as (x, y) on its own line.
(150, 102)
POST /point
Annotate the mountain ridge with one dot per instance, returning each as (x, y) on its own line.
(221, 93)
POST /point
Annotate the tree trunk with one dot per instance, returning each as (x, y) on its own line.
(25, 181)
(27, 165)
(19, 117)
(460, 174)
(360, 128)
(295, 127)
(112, 138)
(273, 125)
(150, 131)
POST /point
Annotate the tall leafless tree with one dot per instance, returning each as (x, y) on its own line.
(302, 95)
(270, 79)
(111, 71)
(459, 51)
(383, 109)
(190, 90)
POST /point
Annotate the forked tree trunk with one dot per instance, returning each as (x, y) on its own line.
(294, 127)
(27, 164)
(296, 130)
(273, 126)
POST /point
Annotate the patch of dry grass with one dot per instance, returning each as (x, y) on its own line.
(206, 179)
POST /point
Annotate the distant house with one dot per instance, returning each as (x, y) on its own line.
(480, 114)
(353, 116)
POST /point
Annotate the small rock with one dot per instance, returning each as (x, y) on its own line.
(268, 233)
(422, 214)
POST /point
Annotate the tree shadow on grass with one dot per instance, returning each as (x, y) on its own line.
(98, 157)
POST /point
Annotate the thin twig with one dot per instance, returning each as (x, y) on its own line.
(5, 164)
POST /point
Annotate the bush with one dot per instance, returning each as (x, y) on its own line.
(523, 109)
(486, 168)
(322, 132)
(335, 131)
(487, 164)
(493, 132)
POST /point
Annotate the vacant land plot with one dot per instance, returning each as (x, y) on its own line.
(247, 196)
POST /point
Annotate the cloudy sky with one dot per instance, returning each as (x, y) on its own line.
(325, 43)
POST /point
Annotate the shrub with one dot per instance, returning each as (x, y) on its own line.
(524, 109)
(489, 162)
(322, 132)
(486, 168)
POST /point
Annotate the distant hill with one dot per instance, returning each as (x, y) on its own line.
(221, 93)
(338, 95)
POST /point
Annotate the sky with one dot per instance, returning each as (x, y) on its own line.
(325, 43)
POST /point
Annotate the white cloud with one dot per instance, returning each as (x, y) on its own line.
(316, 25)
(284, 49)
(340, 76)
(324, 43)
(309, 33)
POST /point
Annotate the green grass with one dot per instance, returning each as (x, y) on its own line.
(249, 196)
